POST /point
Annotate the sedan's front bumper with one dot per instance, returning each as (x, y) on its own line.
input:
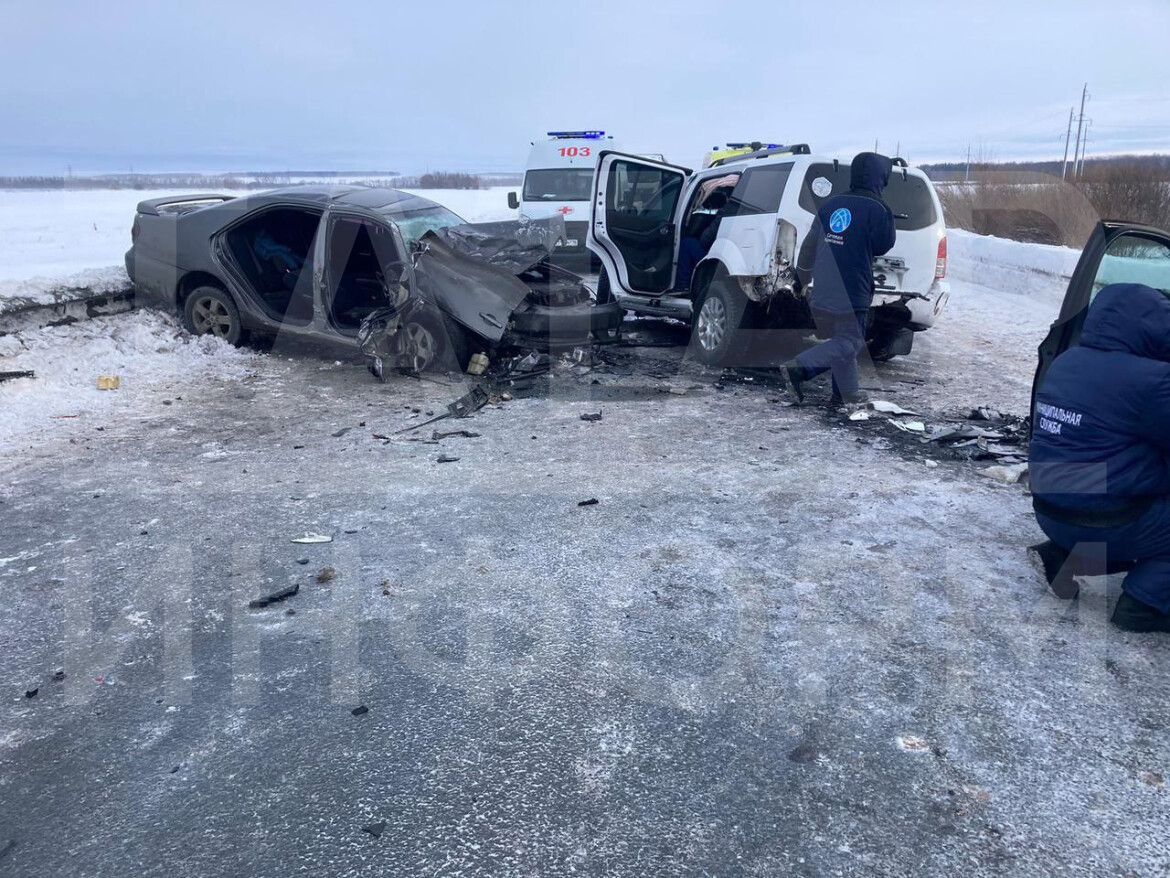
(545, 328)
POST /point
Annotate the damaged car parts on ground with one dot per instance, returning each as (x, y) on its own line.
(391, 271)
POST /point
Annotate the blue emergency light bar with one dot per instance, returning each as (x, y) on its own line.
(585, 135)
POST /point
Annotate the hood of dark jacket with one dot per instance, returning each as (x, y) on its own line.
(870, 172)
(1132, 318)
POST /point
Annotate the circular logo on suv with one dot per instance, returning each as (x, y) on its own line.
(840, 220)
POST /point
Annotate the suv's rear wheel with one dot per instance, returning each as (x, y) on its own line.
(721, 313)
(212, 311)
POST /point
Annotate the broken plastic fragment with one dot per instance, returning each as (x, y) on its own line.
(859, 415)
(889, 408)
(910, 426)
(313, 538)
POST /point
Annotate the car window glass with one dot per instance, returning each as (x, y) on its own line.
(1134, 259)
(908, 198)
(558, 184)
(759, 190)
(638, 190)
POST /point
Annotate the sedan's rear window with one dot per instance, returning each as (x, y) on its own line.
(909, 199)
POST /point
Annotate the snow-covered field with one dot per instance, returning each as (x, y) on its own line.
(50, 234)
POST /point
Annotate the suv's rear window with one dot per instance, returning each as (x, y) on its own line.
(758, 190)
(909, 198)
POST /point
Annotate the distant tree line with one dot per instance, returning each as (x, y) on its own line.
(1028, 201)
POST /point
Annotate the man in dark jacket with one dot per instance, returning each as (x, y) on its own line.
(1100, 453)
(849, 231)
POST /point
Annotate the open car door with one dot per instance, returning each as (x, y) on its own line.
(1117, 252)
(632, 228)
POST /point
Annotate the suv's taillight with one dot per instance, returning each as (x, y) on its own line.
(940, 264)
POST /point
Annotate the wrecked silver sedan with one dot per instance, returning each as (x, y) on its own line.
(397, 274)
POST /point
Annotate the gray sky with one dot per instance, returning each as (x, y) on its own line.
(466, 85)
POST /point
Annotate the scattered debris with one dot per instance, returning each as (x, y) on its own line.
(31, 691)
(275, 597)
(1009, 474)
(595, 416)
(592, 501)
(912, 744)
(290, 612)
(909, 426)
(326, 574)
(337, 434)
(860, 415)
(108, 382)
(465, 434)
(375, 829)
(889, 408)
(302, 561)
(478, 364)
(311, 538)
(984, 414)
(470, 402)
(58, 675)
(446, 458)
(12, 376)
(360, 710)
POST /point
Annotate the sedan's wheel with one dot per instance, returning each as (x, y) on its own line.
(421, 346)
(715, 328)
(429, 341)
(211, 311)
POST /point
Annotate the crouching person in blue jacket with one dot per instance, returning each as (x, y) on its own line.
(1100, 452)
(849, 231)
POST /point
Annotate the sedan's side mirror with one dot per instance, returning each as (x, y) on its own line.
(513, 201)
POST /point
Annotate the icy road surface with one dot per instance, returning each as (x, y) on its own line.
(770, 647)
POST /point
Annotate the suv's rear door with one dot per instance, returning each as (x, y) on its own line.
(917, 218)
(1116, 252)
(632, 228)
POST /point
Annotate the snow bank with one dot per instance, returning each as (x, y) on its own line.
(148, 351)
(1011, 266)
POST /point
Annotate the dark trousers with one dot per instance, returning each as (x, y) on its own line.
(690, 251)
(1146, 541)
(839, 352)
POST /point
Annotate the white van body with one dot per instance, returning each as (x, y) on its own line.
(642, 209)
(558, 181)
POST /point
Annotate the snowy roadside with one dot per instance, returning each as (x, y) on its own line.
(147, 351)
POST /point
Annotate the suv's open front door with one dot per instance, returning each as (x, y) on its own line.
(1116, 253)
(632, 228)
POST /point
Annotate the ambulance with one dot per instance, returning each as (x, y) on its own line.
(558, 180)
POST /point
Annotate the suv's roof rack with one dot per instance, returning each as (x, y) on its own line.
(760, 151)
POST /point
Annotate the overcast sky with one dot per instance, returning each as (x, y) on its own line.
(466, 85)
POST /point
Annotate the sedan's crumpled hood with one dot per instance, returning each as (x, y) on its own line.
(515, 245)
(469, 271)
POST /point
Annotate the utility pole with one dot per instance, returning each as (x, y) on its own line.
(1067, 137)
(967, 173)
(1080, 125)
(1084, 148)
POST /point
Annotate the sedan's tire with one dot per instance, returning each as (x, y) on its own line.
(212, 311)
(720, 313)
(434, 342)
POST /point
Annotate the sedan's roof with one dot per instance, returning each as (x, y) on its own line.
(367, 197)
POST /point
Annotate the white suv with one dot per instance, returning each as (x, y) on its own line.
(748, 218)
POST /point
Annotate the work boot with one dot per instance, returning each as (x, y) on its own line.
(795, 377)
(1130, 614)
(1051, 561)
